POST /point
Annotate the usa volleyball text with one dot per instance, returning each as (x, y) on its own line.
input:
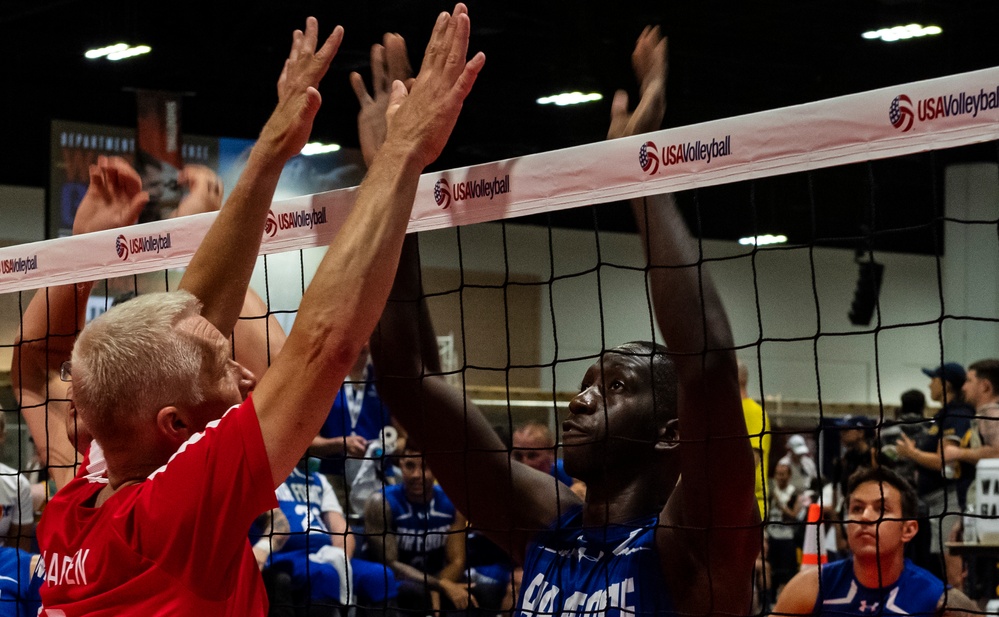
(959, 104)
(480, 188)
(697, 151)
(302, 218)
(9, 266)
(149, 244)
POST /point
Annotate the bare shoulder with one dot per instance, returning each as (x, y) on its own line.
(799, 595)
(953, 603)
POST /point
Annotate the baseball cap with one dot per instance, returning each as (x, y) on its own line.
(796, 444)
(949, 371)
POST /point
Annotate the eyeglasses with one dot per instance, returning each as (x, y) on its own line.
(64, 371)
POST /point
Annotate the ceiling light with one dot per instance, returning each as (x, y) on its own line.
(763, 240)
(118, 51)
(570, 98)
(899, 33)
(317, 148)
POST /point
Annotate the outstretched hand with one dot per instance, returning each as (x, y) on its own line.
(114, 198)
(204, 190)
(650, 60)
(389, 62)
(420, 119)
(289, 126)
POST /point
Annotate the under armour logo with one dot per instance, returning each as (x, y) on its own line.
(863, 608)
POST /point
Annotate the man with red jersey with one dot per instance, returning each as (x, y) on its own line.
(164, 531)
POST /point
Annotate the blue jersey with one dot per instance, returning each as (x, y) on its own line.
(357, 410)
(421, 529)
(18, 588)
(303, 499)
(560, 474)
(915, 593)
(613, 571)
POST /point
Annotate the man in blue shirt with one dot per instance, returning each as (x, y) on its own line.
(877, 579)
(644, 541)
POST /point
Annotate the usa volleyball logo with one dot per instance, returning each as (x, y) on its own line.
(648, 158)
(900, 113)
(442, 193)
(271, 226)
(121, 246)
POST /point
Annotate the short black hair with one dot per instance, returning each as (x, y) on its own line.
(664, 378)
(987, 369)
(883, 475)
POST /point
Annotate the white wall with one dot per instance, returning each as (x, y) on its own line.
(790, 334)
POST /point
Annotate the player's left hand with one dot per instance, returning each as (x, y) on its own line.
(204, 190)
(114, 197)
(650, 61)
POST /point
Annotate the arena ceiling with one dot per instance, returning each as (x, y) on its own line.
(727, 58)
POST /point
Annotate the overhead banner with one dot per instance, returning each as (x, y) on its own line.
(75, 146)
(929, 115)
(158, 151)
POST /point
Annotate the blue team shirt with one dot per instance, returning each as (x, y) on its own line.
(421, 529)
(614, 571)
(18, 589)
(915, 593)
(301, 499)
(372, 418)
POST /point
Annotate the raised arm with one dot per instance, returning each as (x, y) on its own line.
(332, 327)
(220, 270)
(716, 490)
(55, 315)
(507, 500)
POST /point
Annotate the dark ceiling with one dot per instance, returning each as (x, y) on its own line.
(727, 58)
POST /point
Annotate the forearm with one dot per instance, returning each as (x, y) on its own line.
(48, 331)
(327, 446)
(332, 326)
(927, 460)
(687, 304)
(409, 573)
(220, 270)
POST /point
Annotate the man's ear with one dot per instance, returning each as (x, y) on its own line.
(669, 436)
(172, 424)
(909, 530)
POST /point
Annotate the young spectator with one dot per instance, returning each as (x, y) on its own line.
(414, 529)
(877, 579)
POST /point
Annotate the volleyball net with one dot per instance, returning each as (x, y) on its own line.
(524, 308)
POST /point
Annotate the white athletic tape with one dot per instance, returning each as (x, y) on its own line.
(928, 115)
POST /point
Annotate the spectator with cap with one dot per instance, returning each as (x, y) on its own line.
(798, 459)
(942, 488)
(856, 435)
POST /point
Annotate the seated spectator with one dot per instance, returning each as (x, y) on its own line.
(877, 579)
(798, 459)
(784, 515)
(313, 545)
(356, 418)
(534, 445)
(17, 508)
(414, 528)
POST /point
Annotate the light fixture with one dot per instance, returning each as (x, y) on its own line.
(318, 148)
(118, 51)
(899, 33)
(763, 240)
(570, 98)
